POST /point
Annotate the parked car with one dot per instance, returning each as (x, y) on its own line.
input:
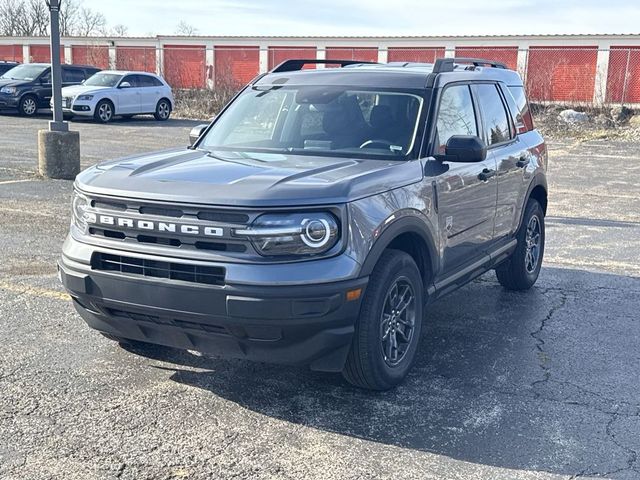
(27, 87)
(5, 66)
(110, 93)
(316, 217)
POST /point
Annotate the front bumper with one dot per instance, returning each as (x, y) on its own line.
(9, 101)
(309, 324)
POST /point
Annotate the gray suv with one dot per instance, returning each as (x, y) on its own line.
(316, 217)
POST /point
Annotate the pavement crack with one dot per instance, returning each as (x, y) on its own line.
(536, 335)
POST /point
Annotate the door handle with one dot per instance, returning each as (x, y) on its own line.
(486, 174)
(523, 162)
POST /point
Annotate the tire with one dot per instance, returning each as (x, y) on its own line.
(163, 110)
(104, 112)
(28, 106)
(521, 270)
(370, 364)
(67, 116)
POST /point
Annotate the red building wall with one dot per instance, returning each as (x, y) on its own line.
(366, 54)
(11, 53)
(561, 73)
(414, 54)
(42, 53)
(184, 66)
(236, 66)
(136, 58)
(278, 55)
(507, 55)
(623, 77)
(97, 56)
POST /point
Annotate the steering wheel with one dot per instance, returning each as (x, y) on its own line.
(377, 143)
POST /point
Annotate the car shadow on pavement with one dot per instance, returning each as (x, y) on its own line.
(539, 380)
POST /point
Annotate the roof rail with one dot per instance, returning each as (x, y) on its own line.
(294, 65)
(448, 64)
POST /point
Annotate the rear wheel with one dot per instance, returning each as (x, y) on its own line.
(388, 328)
(28, 106)
(104, 111)
(521, 270)
(163, 110)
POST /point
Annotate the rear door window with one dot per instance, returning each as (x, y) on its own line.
(456, 116)
(494, 116)
(72, 75)
(523, 106)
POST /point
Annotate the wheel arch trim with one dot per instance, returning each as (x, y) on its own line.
(408, 223)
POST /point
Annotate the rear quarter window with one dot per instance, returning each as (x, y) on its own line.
(524, 112)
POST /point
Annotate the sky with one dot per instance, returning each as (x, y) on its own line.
(373, 17)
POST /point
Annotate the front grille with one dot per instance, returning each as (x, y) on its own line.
(224, 219)
(158, 269)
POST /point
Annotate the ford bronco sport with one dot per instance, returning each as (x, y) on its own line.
(316, 216)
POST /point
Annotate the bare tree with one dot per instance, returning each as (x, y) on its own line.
(90, 23)
(69, 11)
(37, 18)
(120, 31)
(186, 29)
(12, 17)
(31, 18)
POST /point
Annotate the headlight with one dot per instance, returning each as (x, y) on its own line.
(292, 233)
(80, 205)
(9, 90)
(85, 97)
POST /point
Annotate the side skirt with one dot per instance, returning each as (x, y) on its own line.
(463, 276)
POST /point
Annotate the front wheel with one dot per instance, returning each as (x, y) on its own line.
(28, 106)
(521, 270)
(388, 327)
(104, 111)
(163, 110)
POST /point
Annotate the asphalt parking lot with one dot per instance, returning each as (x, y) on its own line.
(542, 384)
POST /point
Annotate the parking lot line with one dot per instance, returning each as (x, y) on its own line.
(7, 182)
(33, 291)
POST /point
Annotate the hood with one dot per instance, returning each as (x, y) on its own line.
(74, 90)
(7, 82)
(246, 179)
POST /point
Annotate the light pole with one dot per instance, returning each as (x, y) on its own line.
(57, 125)
(58, 148)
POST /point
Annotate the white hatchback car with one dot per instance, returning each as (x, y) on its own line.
(111, 92)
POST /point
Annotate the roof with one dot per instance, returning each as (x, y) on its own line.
(128, 72)
(397, 74)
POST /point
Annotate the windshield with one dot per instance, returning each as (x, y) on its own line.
(103, 80)
(25, 72)
(324, 120)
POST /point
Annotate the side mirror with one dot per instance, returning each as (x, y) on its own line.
(465, 148)
(125, 85)
(195, 133)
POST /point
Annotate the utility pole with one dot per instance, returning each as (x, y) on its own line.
(58, 148)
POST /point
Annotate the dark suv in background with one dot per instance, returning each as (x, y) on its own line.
(27, 87)
(314, 219)
(5, 66)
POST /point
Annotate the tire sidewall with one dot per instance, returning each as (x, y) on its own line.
(402, 266)
(157, 114)
(97, 112)
(533, 208)
(21, 106)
